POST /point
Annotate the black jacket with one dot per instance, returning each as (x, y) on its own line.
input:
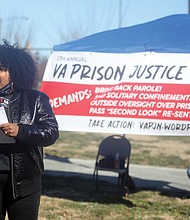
(37, 128)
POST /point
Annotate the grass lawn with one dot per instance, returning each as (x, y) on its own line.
(70, 198)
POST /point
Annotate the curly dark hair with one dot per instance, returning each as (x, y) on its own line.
(21, 66)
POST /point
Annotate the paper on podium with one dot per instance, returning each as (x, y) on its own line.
(3, 119)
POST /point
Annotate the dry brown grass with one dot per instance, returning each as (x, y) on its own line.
(146, 150)
(67, 198)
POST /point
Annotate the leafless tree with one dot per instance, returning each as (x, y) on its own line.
(83, 23)
(16, 29)
(41, 65)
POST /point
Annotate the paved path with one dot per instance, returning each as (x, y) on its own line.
(149, 177)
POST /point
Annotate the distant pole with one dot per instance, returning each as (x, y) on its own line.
(0, 28)
(120, 13)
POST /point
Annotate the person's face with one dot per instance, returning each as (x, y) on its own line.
(4, 78)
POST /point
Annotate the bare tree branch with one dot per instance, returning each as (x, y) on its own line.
(16, 29)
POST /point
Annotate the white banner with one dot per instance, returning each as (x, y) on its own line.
(139, 93)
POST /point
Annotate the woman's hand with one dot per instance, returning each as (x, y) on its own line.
(10, 129)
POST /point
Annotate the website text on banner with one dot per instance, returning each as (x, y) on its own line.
(139, 93)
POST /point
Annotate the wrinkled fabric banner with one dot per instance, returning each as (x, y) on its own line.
(137, 93)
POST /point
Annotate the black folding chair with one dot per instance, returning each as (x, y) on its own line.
(113, 155)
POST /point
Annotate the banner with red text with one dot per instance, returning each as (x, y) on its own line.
(136, 93)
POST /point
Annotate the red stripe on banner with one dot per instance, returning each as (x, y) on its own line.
(125, 100)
